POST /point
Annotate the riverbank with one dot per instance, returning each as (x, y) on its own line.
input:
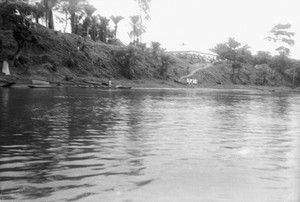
(161, 84)
(144, 84)
(73, 60)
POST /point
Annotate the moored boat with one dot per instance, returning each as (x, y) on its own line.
(123, 87)
(41, 86)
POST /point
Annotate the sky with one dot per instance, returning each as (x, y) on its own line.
(201, 24)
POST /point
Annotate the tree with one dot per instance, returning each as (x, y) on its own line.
(226, 50)
(15, 16)
(48, 6)
(104, 32)
(15, 13)
(39, 12)
(155, 49)
(89, 10)
(75, 10)
(232, 51)
(63, 8)
(95, 24)
(279, 33)
(165, 64)
(134, 23)
(244, 54)
(116, 20)
(144, 8)
(232, 43)
(262, 57)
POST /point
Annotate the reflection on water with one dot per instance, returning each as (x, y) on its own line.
(149, 145)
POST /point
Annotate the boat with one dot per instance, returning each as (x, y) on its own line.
(41, 86)
(39, 82)
(123, 87)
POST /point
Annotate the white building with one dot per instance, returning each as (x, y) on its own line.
(184, 49)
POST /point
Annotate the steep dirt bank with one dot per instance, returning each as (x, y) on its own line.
(58, 56)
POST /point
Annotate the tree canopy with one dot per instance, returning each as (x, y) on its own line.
(280, 34)
(233, 51)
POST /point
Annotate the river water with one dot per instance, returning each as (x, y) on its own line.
(149, 145)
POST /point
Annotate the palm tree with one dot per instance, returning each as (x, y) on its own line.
(48, 5)
(144, 8)
(116, 20)
(89, 10)
(39, 12)
(74, 7)
(103, 28)
(95, 24)
(63, 9)
(134, 23)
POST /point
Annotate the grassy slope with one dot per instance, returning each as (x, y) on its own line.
(248, 75)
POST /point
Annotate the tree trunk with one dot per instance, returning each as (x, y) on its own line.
(37, 20)
(66, 24)
(76, 25)
(73, 17)
(116, 28)
(17, 55)
(50, 20)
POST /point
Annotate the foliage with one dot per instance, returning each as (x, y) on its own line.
(75, 10)
(62, 8)
(39, 12)
(232, 50)
(262, 57)
(128, 58)
(279, 33)
(48, 5)
(233, 44)
(116, 20)
(165, 64)
(134, 23)
(9, 14)
(104, 32)
(280, 62)
(15, 15)
(244, 55)
(144, 6)
(156, 49)
(87, 23)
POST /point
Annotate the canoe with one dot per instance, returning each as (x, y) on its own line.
(123, 87)
(39, 82)
(40, 86)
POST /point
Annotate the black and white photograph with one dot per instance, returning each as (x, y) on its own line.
(149, 101)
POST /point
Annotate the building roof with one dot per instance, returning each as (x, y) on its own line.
(191, 51)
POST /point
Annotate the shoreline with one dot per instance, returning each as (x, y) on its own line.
(155, 84)
(163, 84)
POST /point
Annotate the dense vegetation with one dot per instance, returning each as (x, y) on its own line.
(289, 68)
(76, 49)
